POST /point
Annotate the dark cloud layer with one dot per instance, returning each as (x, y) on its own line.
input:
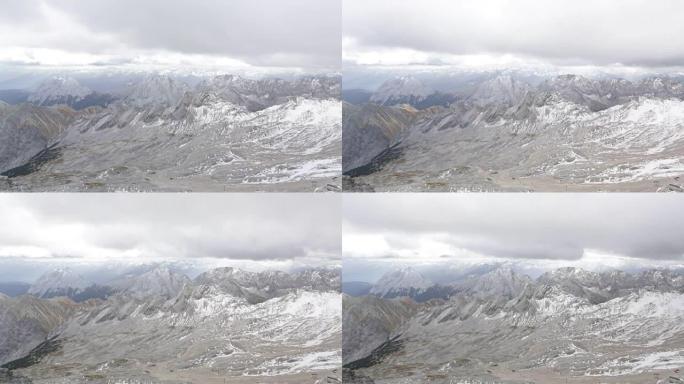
(293, 33)
(563, 32)
(543, 226)
(159, 226)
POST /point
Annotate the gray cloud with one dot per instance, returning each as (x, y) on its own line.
(293, 33)
(97, 228)
(561, 227)
(563, 32)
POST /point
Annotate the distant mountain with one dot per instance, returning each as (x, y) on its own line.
(356, 96)
(67, 283)
(502, 281)
(14, 288)
(402, 282)
(503, 89)
(155, 90)
(409, 90)
(14, 96)
(256, 95)
(401, 90)
(57, 282)
(261, 286)
(67, 91)
(159, 282)
(356, 288)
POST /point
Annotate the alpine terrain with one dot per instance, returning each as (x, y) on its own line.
(566, 326)
(161, 133)
(160, 326)
(509, 131)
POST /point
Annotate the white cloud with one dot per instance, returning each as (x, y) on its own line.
(293, 35)
(633, 33)
(247, 229)
(546, 230)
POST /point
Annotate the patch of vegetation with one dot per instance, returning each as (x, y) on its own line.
(378, 354)
(34, 164)
(34, 357)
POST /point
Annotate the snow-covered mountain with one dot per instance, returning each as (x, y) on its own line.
(405, 89)
(196, 329)
(503, 89)
(159, 282)
(402, 282)
(502, 281)
(226, 132)
(59, 90)
(564, 133)
(65, 90)
(155, 90)
(59, 282)
(504, 327)
(256, 95)
(409, 90)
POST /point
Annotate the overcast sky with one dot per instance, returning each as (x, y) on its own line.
(253, 231)
(491, 33)
(212, 34)
(539, 231)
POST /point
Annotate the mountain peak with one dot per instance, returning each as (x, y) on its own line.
(503, 281)
(502, 89)
(58, 90)
(400, 89)
(572, 272)
(58, 282)
(160, 281)
(406, 278)
(156, 89)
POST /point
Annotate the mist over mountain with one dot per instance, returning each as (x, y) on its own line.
(504, 327)
(515, 131)
(159, 132)
(225, 323)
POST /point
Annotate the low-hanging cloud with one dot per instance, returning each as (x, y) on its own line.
(561, 227)
(295, 33)
(154, 227)
(563, 32)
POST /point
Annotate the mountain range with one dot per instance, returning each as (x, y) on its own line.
(160, 133)
(161, 326)
(568, 325)
(508, 133)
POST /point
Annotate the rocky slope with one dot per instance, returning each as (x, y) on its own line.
(370, 131)
(26, 321)
(26, 130)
